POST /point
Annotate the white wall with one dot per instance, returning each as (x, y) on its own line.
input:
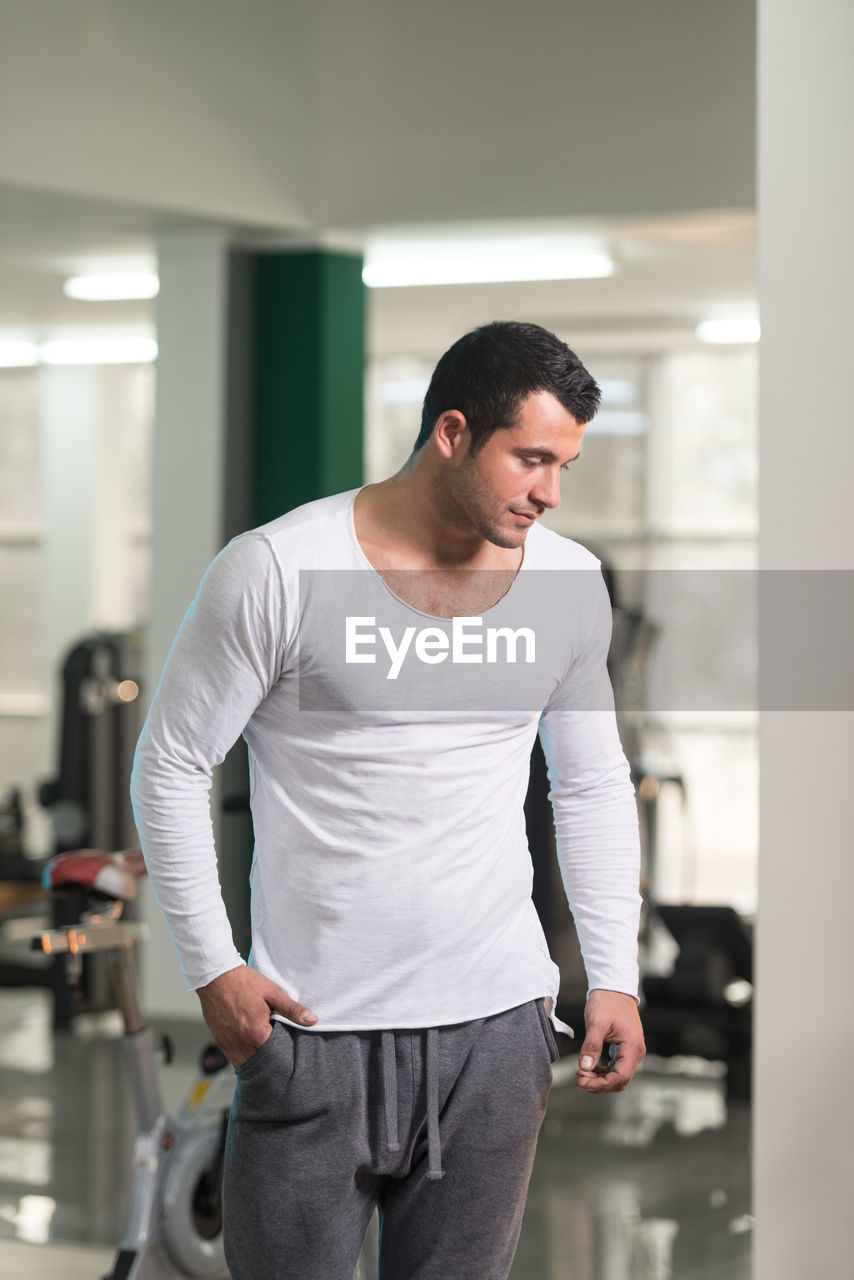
(804, 1114)
(279, 112)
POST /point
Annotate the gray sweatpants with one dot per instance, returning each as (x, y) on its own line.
(437, 1126)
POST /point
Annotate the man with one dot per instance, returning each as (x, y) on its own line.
(393, 1032)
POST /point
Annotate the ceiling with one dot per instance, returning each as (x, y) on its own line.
(45, 237)
(673, 271)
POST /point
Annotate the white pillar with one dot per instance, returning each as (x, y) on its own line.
(188, 520)
(804, 1029)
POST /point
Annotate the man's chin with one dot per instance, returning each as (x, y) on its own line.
(508, 539)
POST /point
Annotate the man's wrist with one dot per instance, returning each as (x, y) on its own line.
(203, 986)
(611, 991)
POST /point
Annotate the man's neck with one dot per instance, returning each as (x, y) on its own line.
(397, 528)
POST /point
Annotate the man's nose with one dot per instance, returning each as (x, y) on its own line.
(546, 492)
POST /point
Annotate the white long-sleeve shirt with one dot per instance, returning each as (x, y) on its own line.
(389, 752)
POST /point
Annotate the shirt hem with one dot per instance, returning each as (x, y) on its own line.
(405, 1025)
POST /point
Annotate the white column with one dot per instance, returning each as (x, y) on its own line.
(804, 1046)
(188, 497)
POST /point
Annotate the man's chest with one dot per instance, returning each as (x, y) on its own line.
(449, 594)
(405, 640)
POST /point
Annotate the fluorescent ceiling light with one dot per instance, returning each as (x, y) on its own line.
(18, 355)
(111, 287)
(745, 329)
(487, 261)
(101, 351)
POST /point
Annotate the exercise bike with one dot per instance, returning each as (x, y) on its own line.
(174, 1224)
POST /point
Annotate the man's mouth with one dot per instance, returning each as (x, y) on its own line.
(526, 515)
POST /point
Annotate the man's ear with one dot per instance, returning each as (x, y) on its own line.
(451, 433)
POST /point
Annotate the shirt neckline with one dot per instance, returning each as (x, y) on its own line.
(351, 525)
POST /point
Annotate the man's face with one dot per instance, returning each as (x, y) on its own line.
(503, 489)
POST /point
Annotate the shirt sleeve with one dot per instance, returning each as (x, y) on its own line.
(225, 659)
(595, 812)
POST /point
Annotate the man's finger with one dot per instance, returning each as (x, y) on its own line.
(590, 1052)
(600, 1080)
(613, 1082)
(244, 1051)
(279, 1000)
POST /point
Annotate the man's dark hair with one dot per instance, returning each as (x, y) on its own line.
(488, 374)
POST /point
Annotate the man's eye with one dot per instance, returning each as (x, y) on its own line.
(530, 462)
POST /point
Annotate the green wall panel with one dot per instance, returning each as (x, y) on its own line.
(309, 392)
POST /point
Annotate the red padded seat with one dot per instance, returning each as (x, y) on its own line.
(114, 875)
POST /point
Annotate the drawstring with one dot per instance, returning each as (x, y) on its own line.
(390, 1090)
(434, 1146)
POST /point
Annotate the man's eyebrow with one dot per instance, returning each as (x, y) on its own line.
(549, 456)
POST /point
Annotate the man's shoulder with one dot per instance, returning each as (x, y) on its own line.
(311, 517)
(314, 535)
(308, 535)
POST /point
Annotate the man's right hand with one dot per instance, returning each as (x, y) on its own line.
(237, 1006)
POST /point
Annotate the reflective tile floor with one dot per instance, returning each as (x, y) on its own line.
(651, 1184)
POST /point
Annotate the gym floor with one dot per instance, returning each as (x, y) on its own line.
(651, 1184)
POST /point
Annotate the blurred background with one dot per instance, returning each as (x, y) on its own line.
(233, 243)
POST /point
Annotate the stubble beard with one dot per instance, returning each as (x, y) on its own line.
(462, 504)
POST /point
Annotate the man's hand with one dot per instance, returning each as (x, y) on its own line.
(237, 1007)
(611, 1016)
